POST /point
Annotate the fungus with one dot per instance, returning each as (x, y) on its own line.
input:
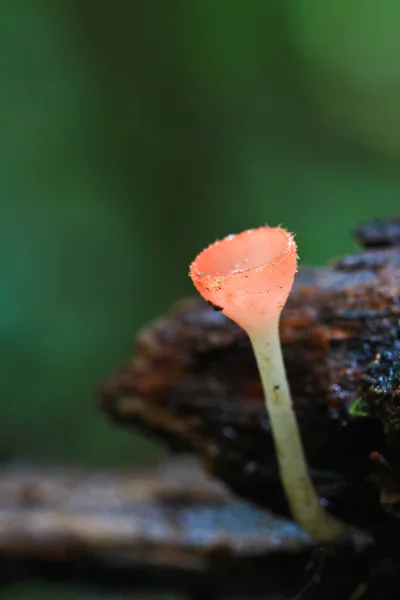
(249, 276)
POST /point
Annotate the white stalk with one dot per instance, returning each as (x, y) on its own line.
(302, 498)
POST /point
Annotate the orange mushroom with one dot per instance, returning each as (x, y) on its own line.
(248, 277)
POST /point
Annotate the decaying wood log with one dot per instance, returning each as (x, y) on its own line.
(173, 515)
(170, 527)
(193, 383)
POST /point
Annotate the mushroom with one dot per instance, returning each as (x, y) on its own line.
(248, 277)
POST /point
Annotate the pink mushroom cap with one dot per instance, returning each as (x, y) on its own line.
(248, 276)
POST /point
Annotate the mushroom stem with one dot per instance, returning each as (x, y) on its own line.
(302, 498)
(249, 276)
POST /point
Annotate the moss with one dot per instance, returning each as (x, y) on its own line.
(359, 408)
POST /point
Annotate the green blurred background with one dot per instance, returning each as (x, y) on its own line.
(135, 132)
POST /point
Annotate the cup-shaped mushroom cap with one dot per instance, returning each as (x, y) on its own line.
(248, 276)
